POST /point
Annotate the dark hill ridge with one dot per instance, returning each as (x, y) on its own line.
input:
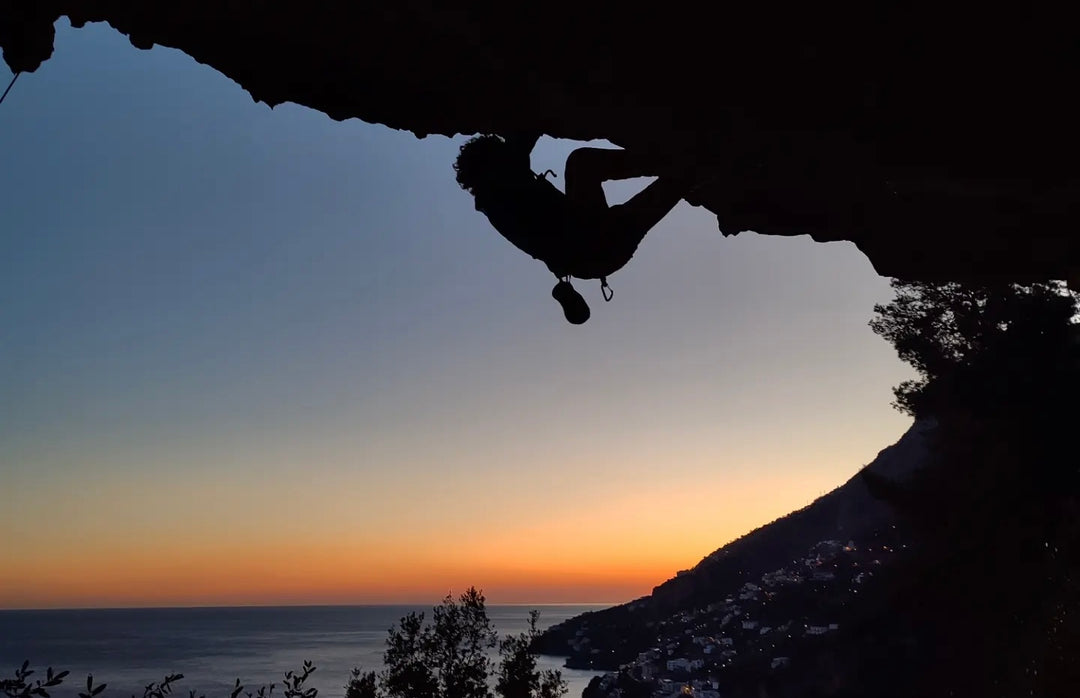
(941, 140)
(617, 635)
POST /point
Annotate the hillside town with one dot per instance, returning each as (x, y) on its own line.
(761, 627)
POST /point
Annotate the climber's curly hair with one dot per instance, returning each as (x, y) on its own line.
(480, 161)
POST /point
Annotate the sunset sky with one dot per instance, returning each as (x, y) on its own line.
(255, 356)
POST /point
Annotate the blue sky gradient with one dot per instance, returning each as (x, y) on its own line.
(210, 304)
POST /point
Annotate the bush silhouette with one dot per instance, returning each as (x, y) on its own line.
(450, 658)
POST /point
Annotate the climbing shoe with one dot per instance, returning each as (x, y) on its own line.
(574, 306)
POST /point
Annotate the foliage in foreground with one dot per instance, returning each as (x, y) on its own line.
(998, 349)
(993, 578)
(450, 657)
(22, 687)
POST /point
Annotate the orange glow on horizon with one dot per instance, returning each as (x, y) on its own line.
(318, 577)
(610, 553)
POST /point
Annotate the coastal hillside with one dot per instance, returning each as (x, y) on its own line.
(612, 637)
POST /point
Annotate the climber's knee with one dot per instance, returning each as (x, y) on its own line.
(585, 161)
(584, 178)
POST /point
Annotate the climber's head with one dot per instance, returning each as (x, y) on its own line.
(484, 161)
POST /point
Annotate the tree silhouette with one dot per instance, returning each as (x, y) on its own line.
(450, 657)
(518, 675)
(981, 348)
(991, 577)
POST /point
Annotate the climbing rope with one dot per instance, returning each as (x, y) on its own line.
(10, 85)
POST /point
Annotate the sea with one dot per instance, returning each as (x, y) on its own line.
(212, 647)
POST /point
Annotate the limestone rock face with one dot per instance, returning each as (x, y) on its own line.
(942, 142)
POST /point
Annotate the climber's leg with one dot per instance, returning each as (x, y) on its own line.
(646, 208)
(584, 185)
(632, 220)
(609, 236)
(588, 168)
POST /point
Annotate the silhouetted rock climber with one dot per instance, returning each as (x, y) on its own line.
(575, 234)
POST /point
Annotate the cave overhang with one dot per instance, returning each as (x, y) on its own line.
(944, 144)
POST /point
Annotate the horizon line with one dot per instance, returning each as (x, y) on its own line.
(605, 604)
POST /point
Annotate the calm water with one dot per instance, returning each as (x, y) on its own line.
(212, 647)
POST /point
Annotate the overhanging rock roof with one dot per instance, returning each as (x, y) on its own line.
(943, 143)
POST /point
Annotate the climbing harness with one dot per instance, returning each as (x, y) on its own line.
(605, 290)
(10, 85)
